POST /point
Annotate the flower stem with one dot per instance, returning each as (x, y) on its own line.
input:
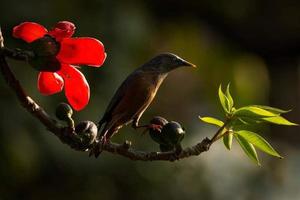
(219, 132)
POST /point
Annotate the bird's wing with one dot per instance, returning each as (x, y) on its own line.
(131, 99)
(119, 94)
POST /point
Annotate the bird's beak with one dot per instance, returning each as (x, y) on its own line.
(186, 63)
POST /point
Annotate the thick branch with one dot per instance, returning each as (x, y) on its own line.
(151, 156)
(68, 136)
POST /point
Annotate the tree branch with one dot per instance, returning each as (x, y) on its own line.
(68, 136)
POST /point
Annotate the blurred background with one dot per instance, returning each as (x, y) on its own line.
(253, 44)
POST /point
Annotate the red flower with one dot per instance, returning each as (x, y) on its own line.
(72, 51)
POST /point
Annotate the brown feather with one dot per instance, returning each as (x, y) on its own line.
(131, 100)
(137, 92)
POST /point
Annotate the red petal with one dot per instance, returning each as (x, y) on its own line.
(62, 29)
(82, 51)
(77, 89)
(29, 31)
(50, 83)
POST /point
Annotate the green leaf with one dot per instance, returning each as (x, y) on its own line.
(253, 112)
(223, 100)
(272, 109)
(227, 140)
(258, 141)
(229, 97)
(248, 148)
(279, 120)
(211, 120)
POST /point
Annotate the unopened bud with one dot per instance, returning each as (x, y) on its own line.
(64, 112)
(87, 131)
(172, 133)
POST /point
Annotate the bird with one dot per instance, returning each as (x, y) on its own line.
(135, 95)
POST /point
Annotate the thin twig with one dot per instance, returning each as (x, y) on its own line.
(219, 132)
(18, 54)
(63, 133)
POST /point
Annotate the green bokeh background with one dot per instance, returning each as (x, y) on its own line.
(253, 44)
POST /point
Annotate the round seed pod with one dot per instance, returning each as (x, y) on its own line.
(172, 133)
(87, 131)
(154, 134)
(64, 111)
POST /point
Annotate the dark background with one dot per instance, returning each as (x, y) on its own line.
(253, 44)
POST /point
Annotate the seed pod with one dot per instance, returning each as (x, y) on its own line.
(154, 134)
(64, 111)
(159, 120)
(87, 131)
(172, 133)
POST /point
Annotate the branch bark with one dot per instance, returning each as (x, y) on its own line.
(67, 135)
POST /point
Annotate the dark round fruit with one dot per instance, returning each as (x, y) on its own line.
(64, 111)
(159, 120)
(154, 134)
(172, 133)
(87, 131)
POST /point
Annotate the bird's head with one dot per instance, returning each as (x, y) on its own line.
(166, 62)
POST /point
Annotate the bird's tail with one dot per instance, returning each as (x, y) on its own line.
(100, 123)
(102, 131)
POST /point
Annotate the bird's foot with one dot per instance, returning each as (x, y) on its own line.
(154, 127)
(97, 148)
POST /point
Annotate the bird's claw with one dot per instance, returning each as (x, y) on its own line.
(155, 127)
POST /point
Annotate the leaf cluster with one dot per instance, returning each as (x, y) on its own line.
(237, 123)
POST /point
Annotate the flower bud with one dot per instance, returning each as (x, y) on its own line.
(172, 133)
(159, 120)
(87, 131)
(155, 134)
(64, 112)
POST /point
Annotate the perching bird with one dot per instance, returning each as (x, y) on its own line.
(135, 95)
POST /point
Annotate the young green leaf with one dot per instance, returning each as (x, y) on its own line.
(279, 120)
(272, 109)
(229, 97)
(248, 148)
(211, 120)
(258, 141)
(223, 100)
(253, 112)
(227, 140)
